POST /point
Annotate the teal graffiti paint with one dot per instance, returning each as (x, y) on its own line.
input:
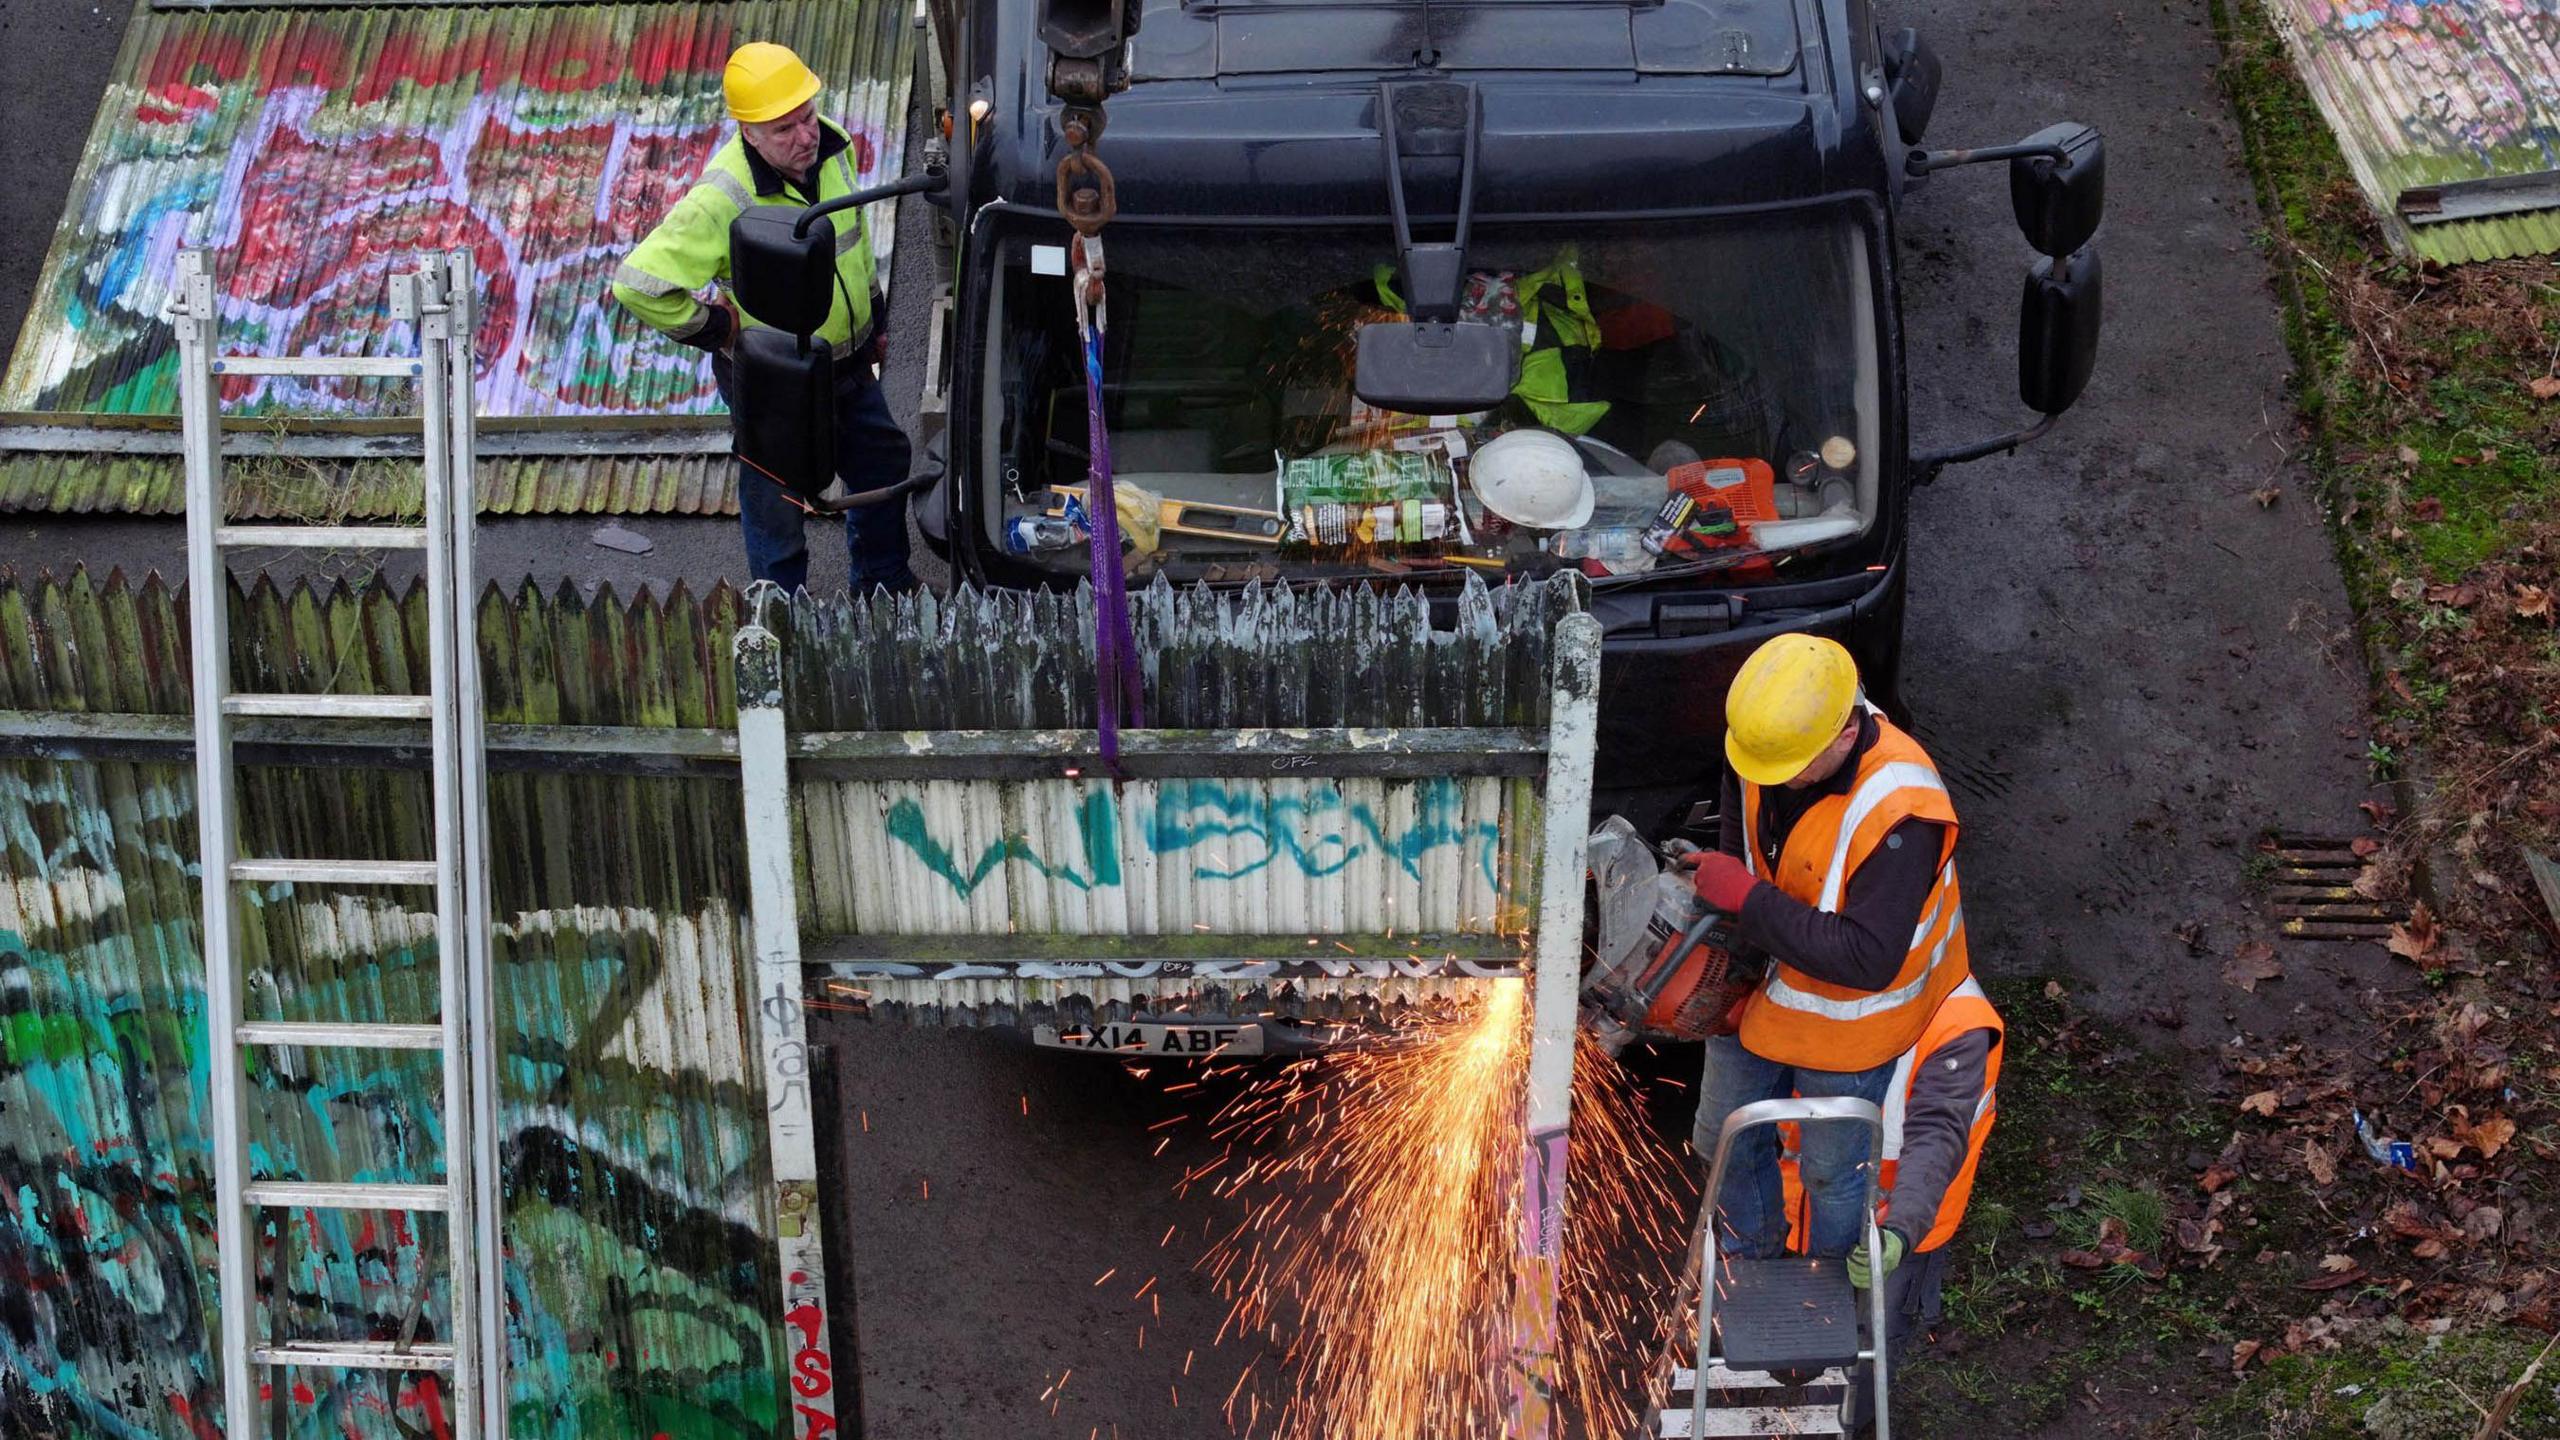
(1097, 829)
(1243, 831)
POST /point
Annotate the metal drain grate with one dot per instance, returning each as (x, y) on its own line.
(2315, 894)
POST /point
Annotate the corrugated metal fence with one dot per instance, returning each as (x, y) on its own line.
(641, 1287)
(2448, 112)
(1331, 778)
(947, 798)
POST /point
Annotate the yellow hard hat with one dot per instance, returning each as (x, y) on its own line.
(1788, 703)
(766, 81)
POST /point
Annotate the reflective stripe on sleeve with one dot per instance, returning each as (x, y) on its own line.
(1871, 792)
(731, 188)
(641, 280)
(1897, 1100)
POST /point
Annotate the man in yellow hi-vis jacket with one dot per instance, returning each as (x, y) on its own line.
(785, 153)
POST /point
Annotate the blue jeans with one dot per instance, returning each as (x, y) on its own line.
(871, 452)
(1831, 1158)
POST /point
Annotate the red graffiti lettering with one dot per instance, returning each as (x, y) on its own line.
(310, 53)
(815, 1423)
(574, 61)
(809, 1320)
(812, 1373)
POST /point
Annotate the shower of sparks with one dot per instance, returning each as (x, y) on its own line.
(1381, 1190)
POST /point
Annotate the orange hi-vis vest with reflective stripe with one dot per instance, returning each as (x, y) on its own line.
(1964, 1012)
(1795, 1019)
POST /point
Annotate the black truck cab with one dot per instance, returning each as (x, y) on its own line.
(1684, 210)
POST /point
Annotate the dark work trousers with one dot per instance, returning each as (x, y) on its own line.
(871, 452)
(1911, 1305)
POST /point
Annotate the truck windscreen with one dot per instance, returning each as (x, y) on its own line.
(1716, 380)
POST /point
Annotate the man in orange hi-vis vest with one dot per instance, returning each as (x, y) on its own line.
(1838, 860)
(1939, 1106)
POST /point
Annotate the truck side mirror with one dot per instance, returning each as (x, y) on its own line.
(785, 399)
(2060, 201)
(786, 281)
(2058, 330)
(1911, 76)
(1436, 367)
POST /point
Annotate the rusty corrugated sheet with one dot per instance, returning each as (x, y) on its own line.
(314, 150)
(2438, 93)
(638, 1287)
(62, 483)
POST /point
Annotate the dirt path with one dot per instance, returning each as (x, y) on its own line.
(2131, 667)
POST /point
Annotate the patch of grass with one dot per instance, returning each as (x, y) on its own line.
(2089, 1124)
(2140, 1209)
(2392, 1384)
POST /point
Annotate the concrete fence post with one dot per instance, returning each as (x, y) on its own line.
(764, 782)
(1554, 1002)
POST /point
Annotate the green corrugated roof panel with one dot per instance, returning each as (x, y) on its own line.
(63, 483)
(314, 150)
(2438, 92)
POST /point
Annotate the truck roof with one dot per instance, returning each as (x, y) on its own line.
(1269, 108)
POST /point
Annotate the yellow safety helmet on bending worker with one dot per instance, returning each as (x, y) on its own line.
(766, 81)
(1787, 704)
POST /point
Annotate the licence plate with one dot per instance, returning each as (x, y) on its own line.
(1201, 1042)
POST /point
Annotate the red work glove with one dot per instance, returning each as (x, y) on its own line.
(1721, 880)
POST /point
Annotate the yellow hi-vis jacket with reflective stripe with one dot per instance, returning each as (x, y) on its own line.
(690, 248)
(1795, 1019)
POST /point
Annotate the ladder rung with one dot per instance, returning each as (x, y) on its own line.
(357, 1355)
(333, 707)
(323, 1195)
(322, 537)
(338, 872)
(324, 366)
(1683, 1379)
(1757, 1420)
(341, 1037)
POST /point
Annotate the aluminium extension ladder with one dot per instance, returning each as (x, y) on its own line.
(470, 1357)
(1761, 1323)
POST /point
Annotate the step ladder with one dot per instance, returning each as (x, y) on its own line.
(468, 1357)
(1779, 1340)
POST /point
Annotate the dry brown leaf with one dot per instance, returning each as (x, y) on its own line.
(2218, 1175)
(2323, 1168)
(2544, 387)
(2082, 1260)
(2251, 962)
(2267, 496)
(2335, 1264)
(2336, 1281)
(2460, 597)
(2262, 1103)
(2244, 1352)
(2482, 1224)
(2533, 602)
(2408, 456)
(2427, 508)
(2365, 847)
(2428, 1249)
(2489, 1136)
(2418, 941)
(2380, 812)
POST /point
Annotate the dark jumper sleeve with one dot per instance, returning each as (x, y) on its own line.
(1863, 945)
